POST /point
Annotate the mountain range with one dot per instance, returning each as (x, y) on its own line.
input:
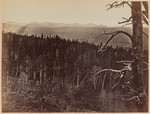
(82, 32)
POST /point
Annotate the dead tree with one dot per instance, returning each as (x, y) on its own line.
(137, 15)
(136, 18)
(137, 46)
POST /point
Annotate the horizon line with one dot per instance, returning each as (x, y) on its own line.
(94, 24)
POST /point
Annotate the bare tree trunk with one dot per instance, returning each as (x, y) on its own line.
(17, 70)
(110, 83)
(137, 45)
(77, 77)
(34, 75)
(74, 75)
(41, 78)
(103, 82)
(94, 83)
(53, 77)
(62, 82)
(41, 96)
(41, 90)
(137, 72)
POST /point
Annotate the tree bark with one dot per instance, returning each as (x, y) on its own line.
(77, 77)
(137, 46)
(137, 72)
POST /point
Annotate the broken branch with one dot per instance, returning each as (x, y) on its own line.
(116, 4)
(126, 20)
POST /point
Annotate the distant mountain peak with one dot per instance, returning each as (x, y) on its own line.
(82, 32)
(34, 22)
(14, 23)
(91, 24)
(101, 25)
(51, 24)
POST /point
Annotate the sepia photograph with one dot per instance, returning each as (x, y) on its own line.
(74, 56)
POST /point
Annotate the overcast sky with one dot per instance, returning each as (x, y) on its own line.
(64, 12)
